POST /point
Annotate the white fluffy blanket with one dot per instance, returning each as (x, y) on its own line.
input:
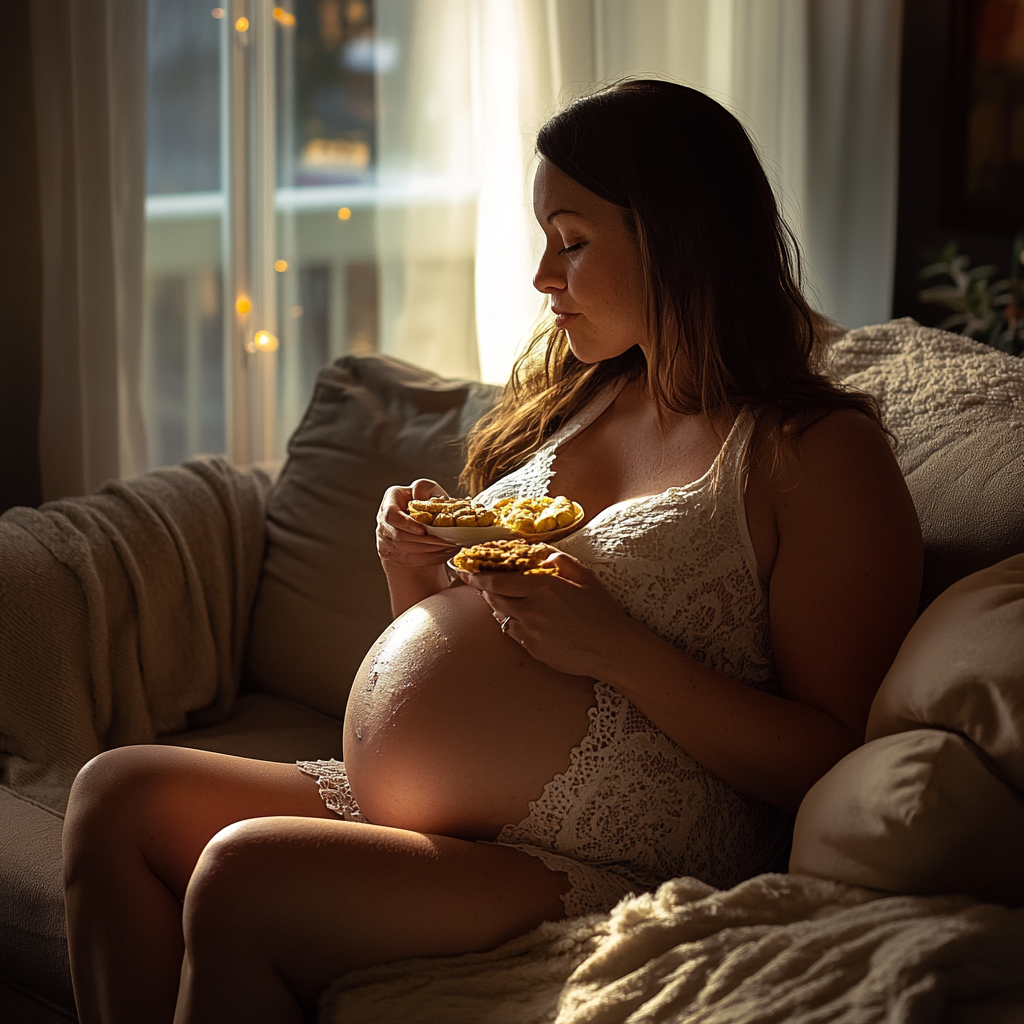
(775, 948)
(122, 614)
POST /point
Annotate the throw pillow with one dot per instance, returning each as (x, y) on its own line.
(918, 813)
(962, 668)
(372, 422)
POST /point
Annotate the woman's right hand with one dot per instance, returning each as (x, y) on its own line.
(402, 543)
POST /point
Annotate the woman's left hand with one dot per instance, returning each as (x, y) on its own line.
(569, 621)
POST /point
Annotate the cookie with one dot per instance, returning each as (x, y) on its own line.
(450, 512)
(504, 556)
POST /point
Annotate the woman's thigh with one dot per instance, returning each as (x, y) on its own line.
(168, 802)
(315, 898)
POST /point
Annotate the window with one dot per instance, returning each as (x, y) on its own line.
(261, 243)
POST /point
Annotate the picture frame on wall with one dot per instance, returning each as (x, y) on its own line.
(985, 160)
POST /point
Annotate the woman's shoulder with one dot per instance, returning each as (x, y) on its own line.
(829, 473)
(830, 455)
(817, 434)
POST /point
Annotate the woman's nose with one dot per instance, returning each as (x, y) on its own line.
(549, 277)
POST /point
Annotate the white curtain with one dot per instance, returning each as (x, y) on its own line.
(89, 76)
(814, 81)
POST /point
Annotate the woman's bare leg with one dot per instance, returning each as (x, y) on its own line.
(137, 821)
(277, 908)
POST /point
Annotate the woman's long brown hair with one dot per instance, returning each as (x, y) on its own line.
(727, 321)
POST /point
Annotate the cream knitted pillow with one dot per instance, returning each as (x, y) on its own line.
(957, 409)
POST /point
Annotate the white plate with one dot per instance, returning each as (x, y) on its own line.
(466, 535)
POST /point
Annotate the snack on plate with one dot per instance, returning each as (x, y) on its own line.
(504, 556)
(537, 515)
(450, 512)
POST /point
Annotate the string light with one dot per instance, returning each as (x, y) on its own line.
(344, 213)
(243, 305)
(280, 266)
(242, 25)
(218, 12)
(284, 17)
(265, 342)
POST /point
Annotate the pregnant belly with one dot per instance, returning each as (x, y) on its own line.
(452, 728)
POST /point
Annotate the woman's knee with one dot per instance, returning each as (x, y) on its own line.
(113, 800)
(232, 882)
(110, 782)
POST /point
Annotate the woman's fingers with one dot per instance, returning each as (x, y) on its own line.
(400, 539)
(516, 584)
(568, 621)
(396, 501)
(423, 489)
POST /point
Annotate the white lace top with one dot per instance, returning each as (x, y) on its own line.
(634, 809)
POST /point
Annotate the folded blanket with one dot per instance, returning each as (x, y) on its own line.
(122, 615)
(775, 948)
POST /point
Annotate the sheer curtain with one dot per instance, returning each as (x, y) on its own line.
(814, 81)
(89, 76)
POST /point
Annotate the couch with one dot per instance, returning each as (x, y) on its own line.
(211, 607)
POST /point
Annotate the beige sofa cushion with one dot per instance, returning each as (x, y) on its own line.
(962, 668)
(35, 950)
(919, 813)
(372, 422)
(269, 728)
(957, 408)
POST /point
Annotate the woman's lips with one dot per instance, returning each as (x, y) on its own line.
(564, 320)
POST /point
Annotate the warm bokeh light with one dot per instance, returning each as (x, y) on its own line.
(280, 266)
(243, 305)
(265, 342)
(344, 213)
(283, 16)
(242, 25)
(297, 311)
(218, 12)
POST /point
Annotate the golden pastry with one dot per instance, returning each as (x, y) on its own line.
(528, 516)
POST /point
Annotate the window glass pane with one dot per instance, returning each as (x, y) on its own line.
(183, 360)
(326, 219)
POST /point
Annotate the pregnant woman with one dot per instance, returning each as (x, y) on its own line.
(523, 748)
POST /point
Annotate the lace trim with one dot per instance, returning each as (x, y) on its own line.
(634, 809)
(533, 478)
(530, 480)
(332, 781)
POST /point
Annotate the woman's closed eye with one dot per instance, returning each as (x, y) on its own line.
(570, 249)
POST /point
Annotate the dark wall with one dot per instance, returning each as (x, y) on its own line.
(20, 268)
(928, 102)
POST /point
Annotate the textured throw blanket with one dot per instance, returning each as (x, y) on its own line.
(122, 616)
(777, 948)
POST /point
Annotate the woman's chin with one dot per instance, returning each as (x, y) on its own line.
(589, 351)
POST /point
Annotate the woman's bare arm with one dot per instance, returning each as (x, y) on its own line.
(843, 593)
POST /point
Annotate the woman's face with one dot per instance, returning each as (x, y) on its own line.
(590, 267)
